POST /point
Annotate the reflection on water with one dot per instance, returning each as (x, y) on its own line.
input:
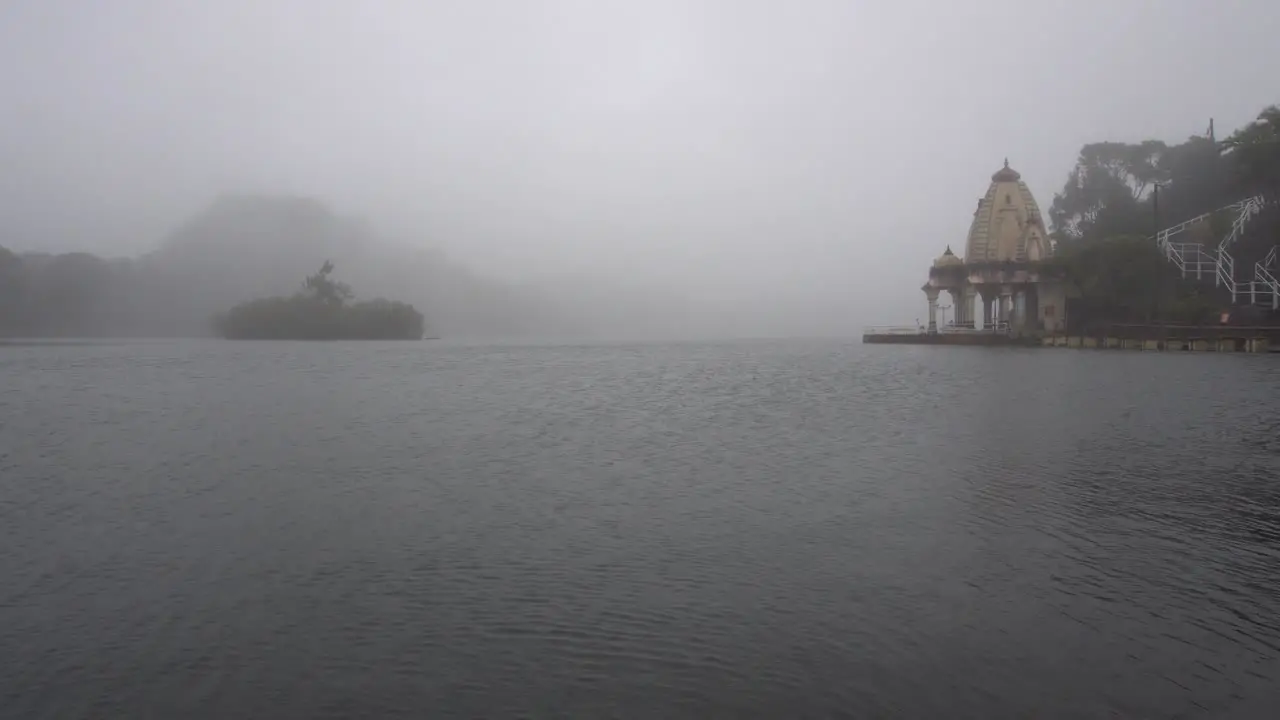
(760, 529)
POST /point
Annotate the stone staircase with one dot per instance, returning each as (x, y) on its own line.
(1195, 260)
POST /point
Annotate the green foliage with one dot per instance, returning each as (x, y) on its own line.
(1220, 223)
(305, 318)
(76, 294)
(1126, 279)
(1103, 190)
(324, 289)
(1254, 150)
(1112, 190)
(1196, 179)
(1119, 194)
(321, 312)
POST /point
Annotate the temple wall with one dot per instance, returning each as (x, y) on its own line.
(1052, 312)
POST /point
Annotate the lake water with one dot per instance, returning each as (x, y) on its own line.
(750, 529)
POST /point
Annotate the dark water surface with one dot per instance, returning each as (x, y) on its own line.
(767, 529)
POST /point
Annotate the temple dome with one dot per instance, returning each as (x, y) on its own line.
(1006, 174)
(1007, 226)
(947, 258)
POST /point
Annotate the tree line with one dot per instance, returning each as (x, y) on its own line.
(1112, 189)
(74, 294)
(1118, 195)
(239, 247)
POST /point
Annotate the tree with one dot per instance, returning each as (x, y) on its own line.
(1127, 279)
(1111, 189)
(1195, 180)
(1254, 150)
(320, 312)
(1102, 192)
(323, 288)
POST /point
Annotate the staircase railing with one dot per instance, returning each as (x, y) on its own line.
(1191, 257)
(1262, 277)
(1178, 253)
(1225, 271)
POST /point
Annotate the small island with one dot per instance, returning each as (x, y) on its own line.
(321, 310)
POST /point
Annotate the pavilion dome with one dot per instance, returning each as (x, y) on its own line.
(1007, 225)
(947, 258)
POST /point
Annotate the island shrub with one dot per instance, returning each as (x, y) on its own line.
(321, 310)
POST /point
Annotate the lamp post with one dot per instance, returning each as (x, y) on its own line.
(1155, 221)
(1155, 208)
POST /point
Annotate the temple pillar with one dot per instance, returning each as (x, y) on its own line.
(932, 294)
(988, 306)
(1006, 303)
(966, 295)
(957, 302)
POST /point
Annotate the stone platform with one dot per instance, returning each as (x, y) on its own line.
(973, 338)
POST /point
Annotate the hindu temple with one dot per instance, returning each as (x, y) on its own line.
(997, 284)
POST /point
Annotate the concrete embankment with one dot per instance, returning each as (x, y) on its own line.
(1176, 338)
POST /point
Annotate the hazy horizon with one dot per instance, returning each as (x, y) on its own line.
(779, 168)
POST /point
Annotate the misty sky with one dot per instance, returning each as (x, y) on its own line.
(820, 152)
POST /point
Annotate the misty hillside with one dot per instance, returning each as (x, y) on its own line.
(250, 246)
(243, 247)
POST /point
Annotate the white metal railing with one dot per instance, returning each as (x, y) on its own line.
(1265, 282)
(923, 330)
(1225, 272)
(1184, 256)
(1245, 209)
(1191, 257)
(894, 330)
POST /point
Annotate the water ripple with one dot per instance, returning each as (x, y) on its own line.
(742, 529)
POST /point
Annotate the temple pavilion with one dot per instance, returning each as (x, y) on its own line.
(997, 285)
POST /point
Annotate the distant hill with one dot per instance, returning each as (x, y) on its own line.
(252, 246)
(244, 247)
